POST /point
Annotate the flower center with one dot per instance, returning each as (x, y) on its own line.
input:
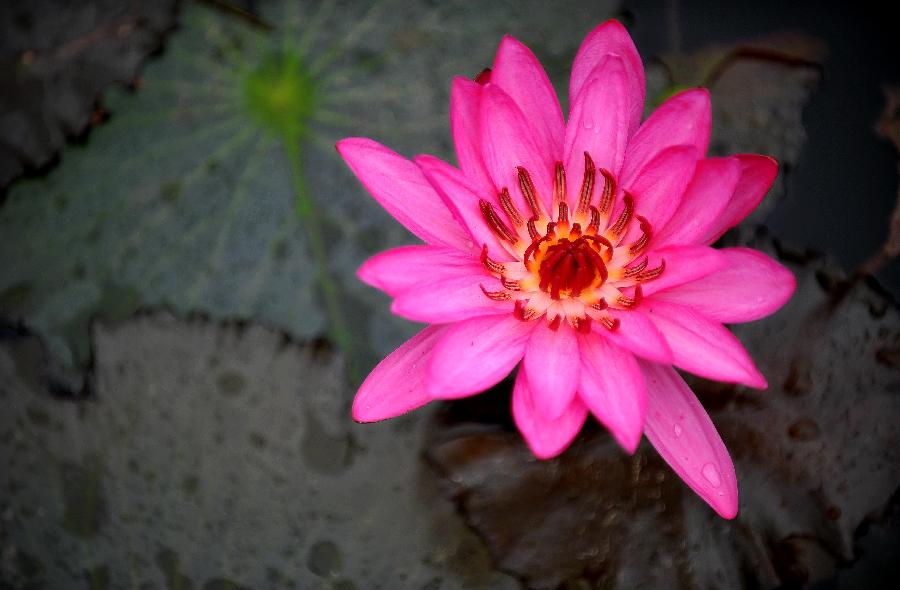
(569, 267)
(576, 266)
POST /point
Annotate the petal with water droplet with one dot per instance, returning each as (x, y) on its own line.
(698, 456)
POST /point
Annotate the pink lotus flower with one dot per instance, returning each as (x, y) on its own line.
(580, 249)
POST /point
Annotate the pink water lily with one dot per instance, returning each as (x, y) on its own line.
(579, 249)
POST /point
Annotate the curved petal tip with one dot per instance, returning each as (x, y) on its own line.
(396, 385)
(546, 437)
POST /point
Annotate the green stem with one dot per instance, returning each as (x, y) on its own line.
(306, 211)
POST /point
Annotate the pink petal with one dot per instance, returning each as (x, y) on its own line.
(397, 384)
(684, 119)
(402, 268)
(551, 365)
(683, 265)
(462, 197)
(682, 433)
(757, 175)
(638, 335)
(598, 123)
(399, 186)
(702, 346)
(611, 38)
(749, 287)
(450, 298)
(546, 437)
(465, 125)
(612, 387)
(518, 72)
(659, 187)
(507, 143)
(706, 197)
(476, 354)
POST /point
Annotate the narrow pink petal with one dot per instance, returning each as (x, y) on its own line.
(749, 287)
(401, 268)
(598, 123)
(476, 354)
(704, 200)
(683, 265)
(400, 187)
(610, 38)
(684, 119)
(702, 346)
(551, 364)
(465, 125)
(397, 384)
(637, 334)
(659, 187)
(517, 71)
(612, 387)
(462, 197)
(450, 298)
(546, 437)
(507, 143)
(757, 175)
(682, 433)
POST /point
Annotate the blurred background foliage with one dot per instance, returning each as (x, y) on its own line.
(181, 324)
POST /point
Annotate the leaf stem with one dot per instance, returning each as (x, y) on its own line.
(306, 211)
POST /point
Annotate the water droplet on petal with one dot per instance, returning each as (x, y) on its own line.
(588, 123)
(678, 430)
(711, 473)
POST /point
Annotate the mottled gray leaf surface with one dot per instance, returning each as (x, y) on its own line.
(215, 455)
(185, 199)
(55, 59)
(817, 457)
